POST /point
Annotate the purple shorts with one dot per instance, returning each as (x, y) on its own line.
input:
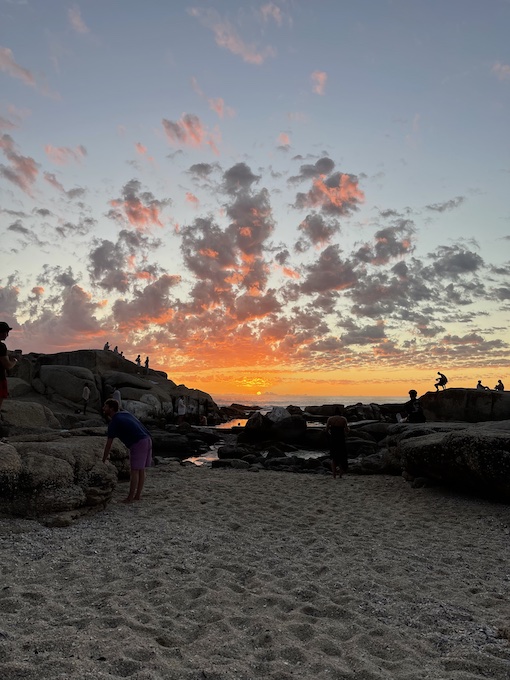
(140, 454)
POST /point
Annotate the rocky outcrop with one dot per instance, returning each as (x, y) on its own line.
(19, 416)
(57, 477)
(475, 458)
(471, 406)
(59, 379)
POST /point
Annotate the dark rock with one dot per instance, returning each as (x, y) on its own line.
(468, 405)
(472, 459)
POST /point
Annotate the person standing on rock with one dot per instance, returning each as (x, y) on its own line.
(441, 381)
(147, 365)
(6, 362)
(138, 361)
(132, 434)
(181, 410)
(85, 395)
(337, 428)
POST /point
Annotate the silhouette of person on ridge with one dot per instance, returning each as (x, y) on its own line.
(500, 387)
(441, 381)
(413, 409)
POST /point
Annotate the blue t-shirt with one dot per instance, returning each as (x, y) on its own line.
(127, 428)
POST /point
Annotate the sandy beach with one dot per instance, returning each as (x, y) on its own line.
(223, 574)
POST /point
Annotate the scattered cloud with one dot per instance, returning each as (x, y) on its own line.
(76, 21)
(319, 80)
(8, 65)
(227, 37)
(22, 170)
(502, 71)
(189, 131)
(62, 155)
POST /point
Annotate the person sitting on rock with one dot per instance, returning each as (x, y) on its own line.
(479, 386)
(441, 381)
(499, 387)
(414, 409)
(106, 346)
(337, 428)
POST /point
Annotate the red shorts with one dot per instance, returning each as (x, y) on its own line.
(4, 392)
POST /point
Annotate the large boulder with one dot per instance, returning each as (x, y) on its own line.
(468, 405)
(39, 478)
(27, 415)
(473, 458)
(68, 382)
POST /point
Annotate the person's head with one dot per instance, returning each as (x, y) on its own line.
(479, 382)
(110, 407)
(4, 330)
(413, 394)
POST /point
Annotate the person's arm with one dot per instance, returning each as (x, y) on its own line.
(107, 448)
(8, 362)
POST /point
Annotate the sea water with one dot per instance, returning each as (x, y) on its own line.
(265, 405)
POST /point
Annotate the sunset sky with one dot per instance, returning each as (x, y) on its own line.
(267, 198)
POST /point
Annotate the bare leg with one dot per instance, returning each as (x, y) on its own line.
(133, 485)
(333, 468)
(141, 482)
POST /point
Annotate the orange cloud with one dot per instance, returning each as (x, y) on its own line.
(22, 171)
(227, 37)
(9, 66)
(218, 106)
(336, 198)
(291, 273)
(283, 139)
(141, 149)
(190, 131)
(62, 155)
(191, 198)
(139, 215)
(319, 79)
(207, 252)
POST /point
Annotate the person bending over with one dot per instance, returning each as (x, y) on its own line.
(337, 428)
(132, 434)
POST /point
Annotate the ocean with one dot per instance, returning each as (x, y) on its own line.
(267, 402)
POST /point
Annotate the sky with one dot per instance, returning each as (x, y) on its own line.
(266, 198)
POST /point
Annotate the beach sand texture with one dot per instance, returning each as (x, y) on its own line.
(223, 574)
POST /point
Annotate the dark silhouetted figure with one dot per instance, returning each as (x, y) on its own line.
(146, 365)
(413, 409)
(499, 387)
(337, 428)
(441, 381)
(106, 346)
(7, 361)
(138, 361)
(481, 387)
(115, 350)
